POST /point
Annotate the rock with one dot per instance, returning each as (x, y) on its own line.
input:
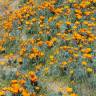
(7, 72)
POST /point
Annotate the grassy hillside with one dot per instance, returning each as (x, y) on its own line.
(47, 47)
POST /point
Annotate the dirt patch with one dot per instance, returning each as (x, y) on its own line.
(57, 87)
(7, 6)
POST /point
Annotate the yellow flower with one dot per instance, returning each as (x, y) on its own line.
(14, 81)
(2, 63)
(64, 63)
(42, 17)
(74, 27)
(71, 71)
(87, 50)
(27, 22)
(2, 93)
(51, 57)
(84, 63)
(37, 88)
(73, 94)
(32, 55)
(75, 55)
(34, 20)
(60, 89)
(46, 70)
(89, 56)
(25, 93)
(69, 89)
(79, 16)
(31, 73)
(20, 60)
(68, 23)
(7, 24)
(90, 70)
